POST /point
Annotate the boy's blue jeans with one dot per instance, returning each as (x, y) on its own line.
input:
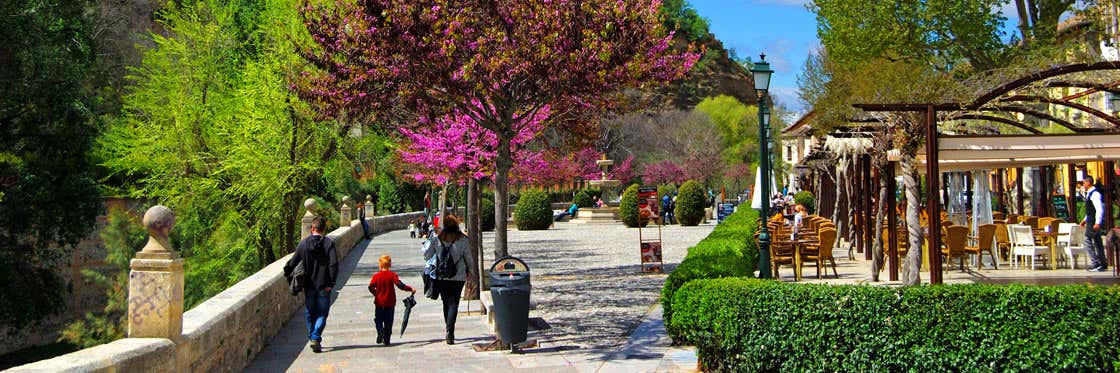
(318, 306)
(383, 320)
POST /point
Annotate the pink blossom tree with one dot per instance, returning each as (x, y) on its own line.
(664, 172)
(375, 57)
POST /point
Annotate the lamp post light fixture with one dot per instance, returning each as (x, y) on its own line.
(761, 73)
(1114, 102)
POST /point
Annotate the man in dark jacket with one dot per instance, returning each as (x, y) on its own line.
(320, 265)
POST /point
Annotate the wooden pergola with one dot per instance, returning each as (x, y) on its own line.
(994, 150)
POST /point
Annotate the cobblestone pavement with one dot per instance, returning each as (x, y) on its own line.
(587, 285)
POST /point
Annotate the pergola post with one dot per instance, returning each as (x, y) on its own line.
(870, 189)
(1071, 197)
(1018, 192)
(932, 204)
(892, 218)
(1109, 174)
(857, 204)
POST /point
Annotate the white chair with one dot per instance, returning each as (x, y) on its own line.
(1022, 244)
(1072, 244)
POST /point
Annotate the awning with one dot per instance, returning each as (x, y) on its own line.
(961, 153)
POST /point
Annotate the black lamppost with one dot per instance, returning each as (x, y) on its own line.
(761, 72)
(1114, 102)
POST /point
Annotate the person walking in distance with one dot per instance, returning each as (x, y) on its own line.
(1094, 216)
(320, 263)
(454, 265)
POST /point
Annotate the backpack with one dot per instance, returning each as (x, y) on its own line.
(446, 267)
(297, 278)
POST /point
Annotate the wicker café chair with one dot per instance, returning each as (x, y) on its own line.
(956, 237)
(1003, 242)
(822, 251)
(986, 240)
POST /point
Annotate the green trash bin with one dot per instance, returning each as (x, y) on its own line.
(510, 289)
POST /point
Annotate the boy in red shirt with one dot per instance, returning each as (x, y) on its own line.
(385, 297)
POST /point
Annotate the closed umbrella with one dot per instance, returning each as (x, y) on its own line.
(408, 303)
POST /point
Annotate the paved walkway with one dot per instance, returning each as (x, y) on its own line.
(601, 310)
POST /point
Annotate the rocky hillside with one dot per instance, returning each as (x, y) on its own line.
(716, 74)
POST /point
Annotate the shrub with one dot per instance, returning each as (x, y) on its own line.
(534, 211)
(628, 207)
(690, 204)
(486, 220)
(729, 251)
(806, 199)
(583, 199)
(666, 189)
(756, 325)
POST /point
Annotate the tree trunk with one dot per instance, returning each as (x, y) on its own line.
(473, 231)
(837, 216)
(880, 212)
(913, 265)
(501, 194)
(442, 206)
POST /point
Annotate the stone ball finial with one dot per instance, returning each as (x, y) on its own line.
(346, 200)
(369, 198)
(158, 220)
(309, 204)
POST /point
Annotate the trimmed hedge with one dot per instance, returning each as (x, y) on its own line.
(534, 211)
(583, 199)
(628, 207)
(486, 215)
(691, 201)
(806, 199)
(729, 251)
(758, 325)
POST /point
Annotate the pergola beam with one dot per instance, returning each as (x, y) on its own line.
(1045, 74)
(992, 118)
(1048, 100)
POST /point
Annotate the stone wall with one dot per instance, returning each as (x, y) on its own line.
(224, 333)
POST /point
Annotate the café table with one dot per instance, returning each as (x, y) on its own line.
(1048, 239)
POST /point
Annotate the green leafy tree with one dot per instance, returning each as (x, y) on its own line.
(48, 193)
(691, 202)
(389, 197)
(122, 237)
(486, 214)
(681, 16)
(211, 129)
(805, 198)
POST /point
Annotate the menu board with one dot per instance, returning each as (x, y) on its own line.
(1061, 210)
(647, 203)
(651, 257)
(723, 211)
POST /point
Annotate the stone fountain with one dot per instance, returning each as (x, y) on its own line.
(609, 211)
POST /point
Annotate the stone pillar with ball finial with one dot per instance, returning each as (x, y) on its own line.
(369, 206)
(155, 284)
(344, 220)
(305, 226)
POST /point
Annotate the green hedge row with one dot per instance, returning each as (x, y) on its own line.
(729, 251)
(756, 325)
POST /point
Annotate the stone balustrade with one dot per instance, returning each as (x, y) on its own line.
(224, 333)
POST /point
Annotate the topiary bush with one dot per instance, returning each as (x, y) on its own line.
(486, 220)
(666, 189)
(628, 207)
(534, 211)
(691, 201)
(748, 325)
(583, 199)
(806, 199)
(729, 251)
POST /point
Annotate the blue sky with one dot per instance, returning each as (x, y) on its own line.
(784, 29)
